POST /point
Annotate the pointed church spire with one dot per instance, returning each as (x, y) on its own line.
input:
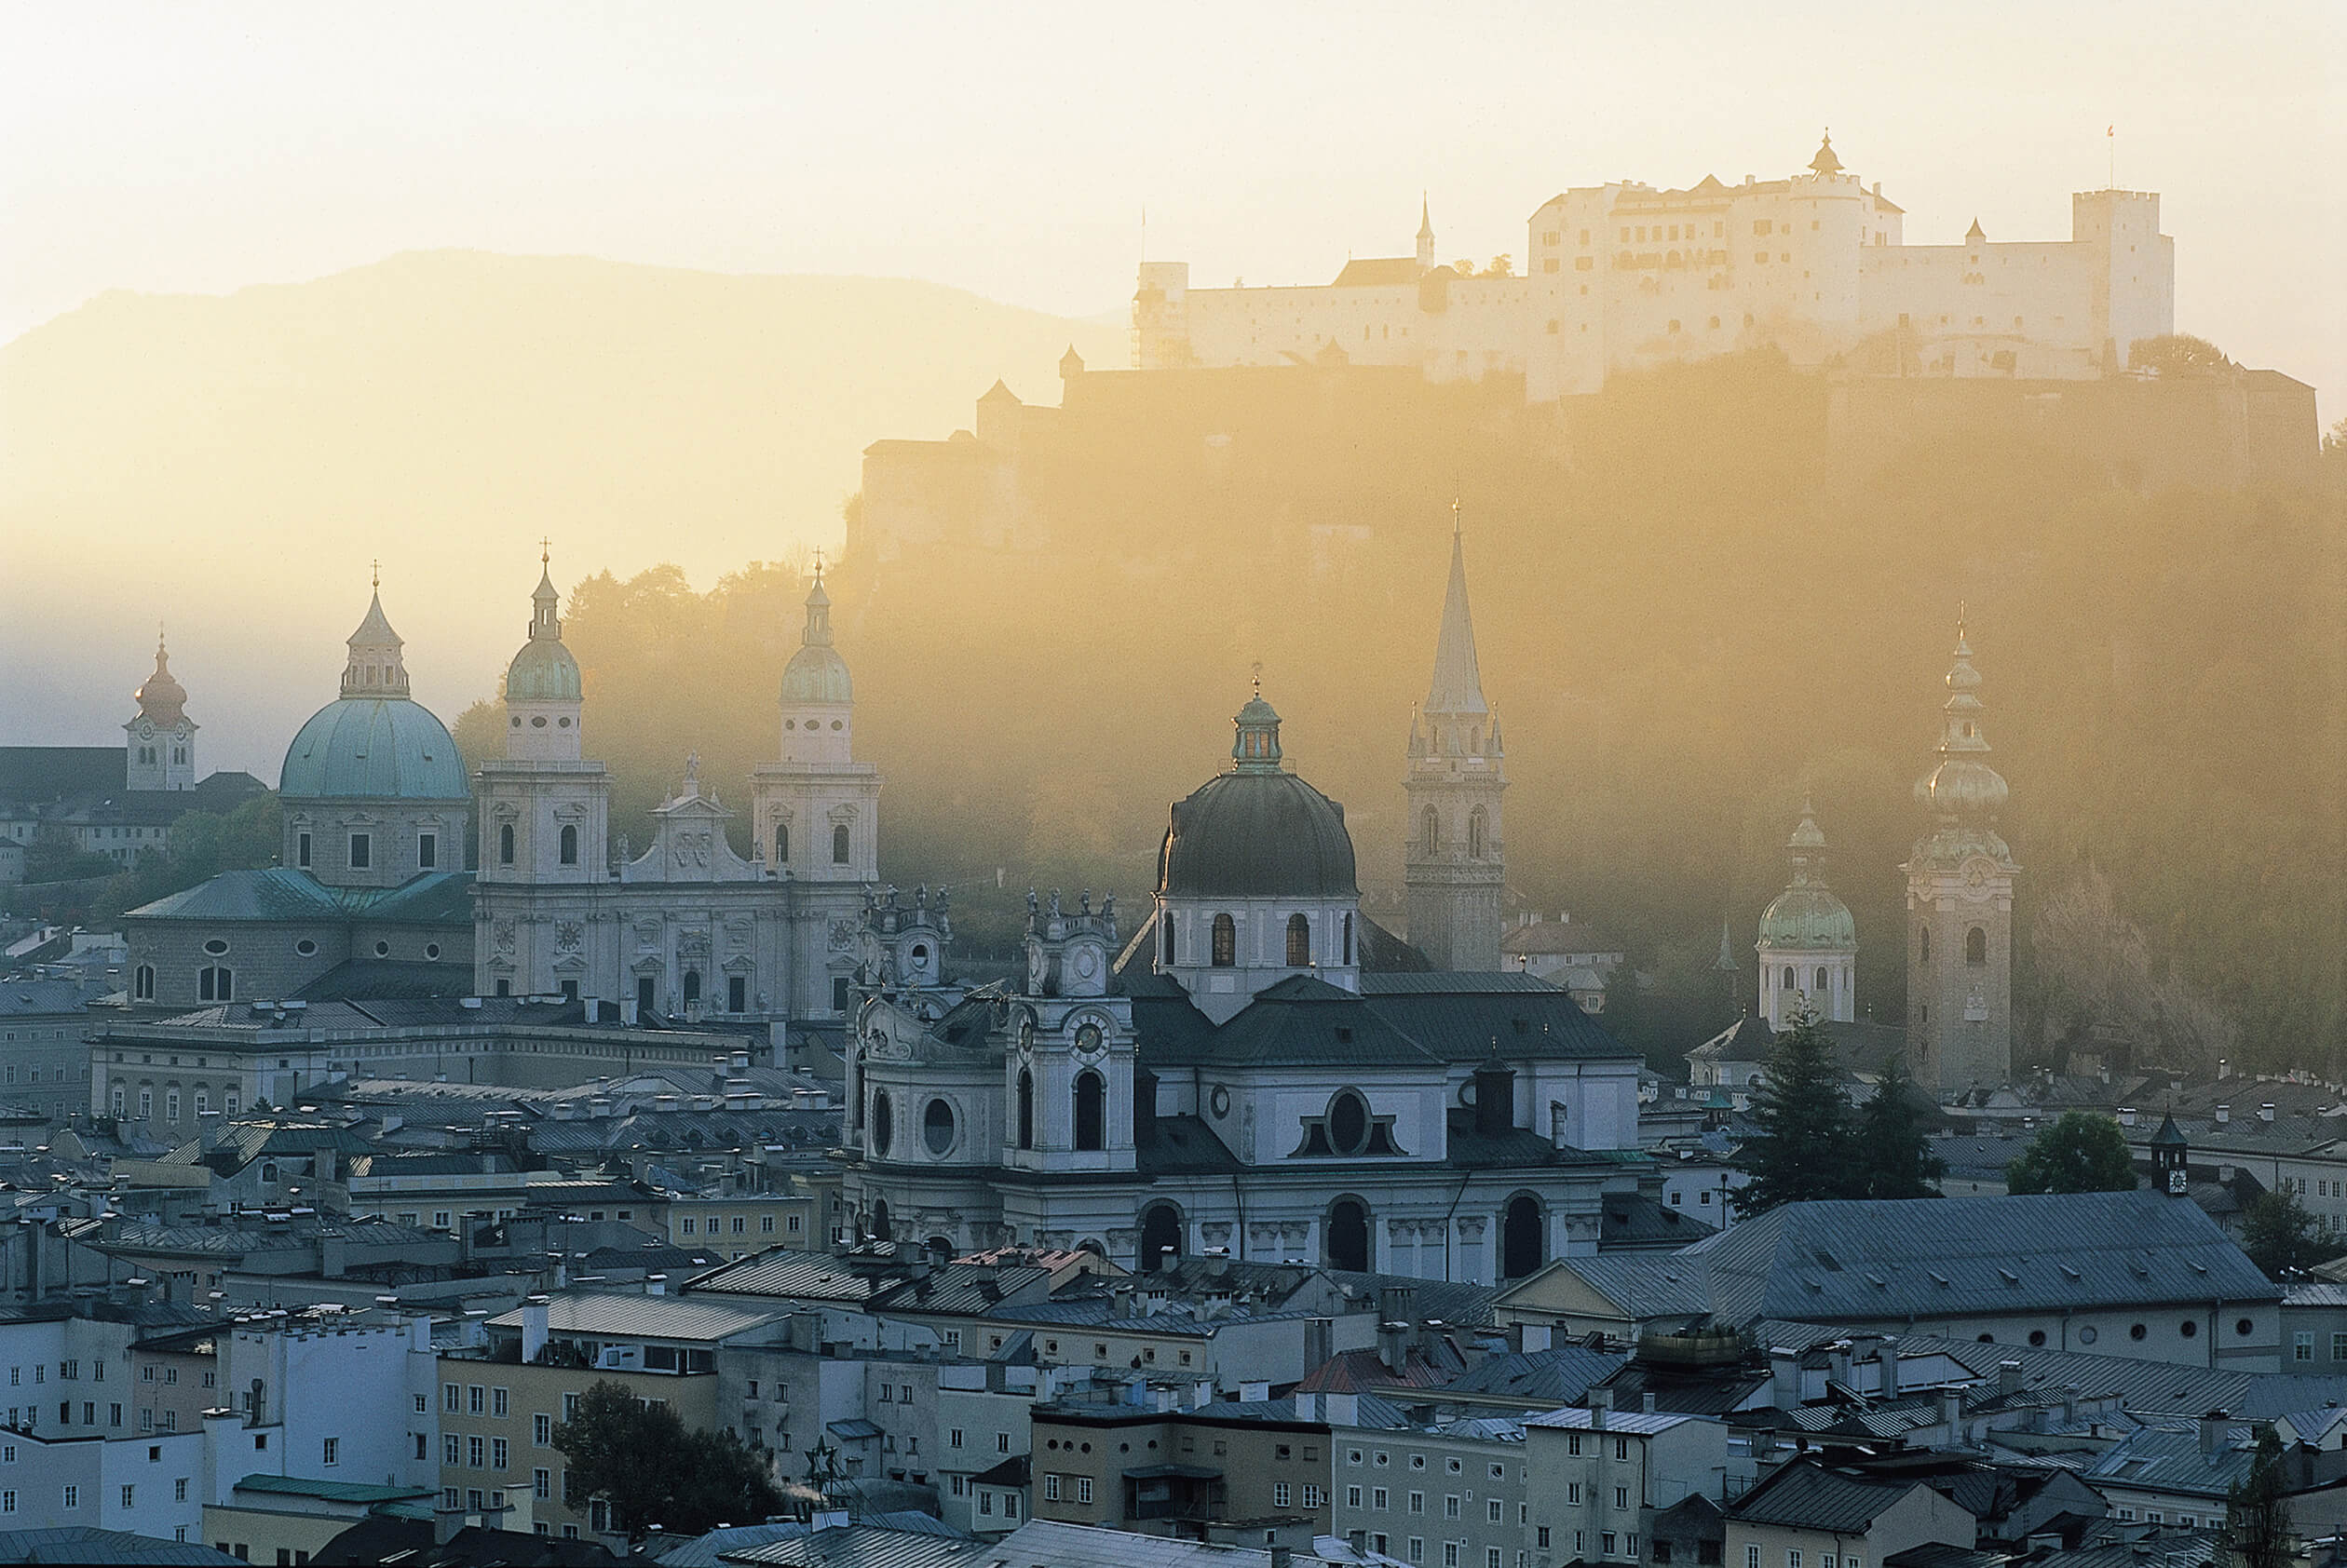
(1426, 218)
(818, 631)
(1726, 962)
(544, 600)
(1457, 687)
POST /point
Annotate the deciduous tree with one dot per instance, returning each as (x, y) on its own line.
(2081, 1152)
(2280, 1237)
(640, 1460)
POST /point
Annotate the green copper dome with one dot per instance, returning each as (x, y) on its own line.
(376, 748)
(543, 671)
(817, 674)
(1806, 915)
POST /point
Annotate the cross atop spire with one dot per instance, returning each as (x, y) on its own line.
(376, 578)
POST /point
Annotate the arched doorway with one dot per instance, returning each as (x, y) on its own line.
(1027, 1109)
(940, 1248)
(880, 1219)
(1348, 1231)
(1160, 1235)
(1522, 1247)
(1091, 1112)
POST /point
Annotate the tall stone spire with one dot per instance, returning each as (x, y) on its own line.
(1455, 869)
(1425, 234)
(1959, 904)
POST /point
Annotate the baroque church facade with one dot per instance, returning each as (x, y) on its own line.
(687, 927)
(1255, 1068)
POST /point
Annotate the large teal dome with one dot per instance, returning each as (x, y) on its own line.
(543, 671)
(1806, 916)
(372, 748)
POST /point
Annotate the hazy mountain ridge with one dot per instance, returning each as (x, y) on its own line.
(229, 464)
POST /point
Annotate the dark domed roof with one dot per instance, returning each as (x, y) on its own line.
(1257, 835)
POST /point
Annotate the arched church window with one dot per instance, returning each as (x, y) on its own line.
(1348, 1232)
(570, 844)
(1430, 833)
(839, 845)
(1299, 942)
(883, 1122)
(1027, 1109)
(1091, 1112)
(781, 843)
(880, 1219)
(1923, 944)
(1348, 947)
(1790, 983)
(1160, 1235)
(1478, 830)
(215, 982)
(1821, 983)
(1976, 946)
(505, 845)
(1225, 942)
(692, 986)
(1521, 1241)
(1167, 922)
(143, 985)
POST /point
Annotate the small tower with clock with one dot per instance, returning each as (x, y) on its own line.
(1069, 1062)
(2171, 1158)
(161, 741)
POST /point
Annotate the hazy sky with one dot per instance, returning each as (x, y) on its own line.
(1010, 150)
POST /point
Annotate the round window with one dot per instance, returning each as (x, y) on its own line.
(563, 722)
(920, 953)
(937, 1127)
(2188, 1328)
(307, 948)
(539, 723)
(517, 720)
(215, 947)
(837, 725)
(790, 723)
(431, 950)
(2137, 1331)
(2245, 1328)
(383, 950)
(1348, 1123)
(1220, 1100)
(883, 1124)
(2088, 1334)
(2037, 1337)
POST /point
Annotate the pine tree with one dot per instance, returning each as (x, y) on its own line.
(1805, 1148)
(1894, 1155)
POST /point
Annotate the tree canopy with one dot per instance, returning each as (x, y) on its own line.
(2081, 1152)
(2281, 1236)
(1806, 1146)
(641, 1459)
(1892, 1156)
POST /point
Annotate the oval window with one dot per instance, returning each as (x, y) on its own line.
(937, 1127)
(2188, 1329)
(837, 725)
(883, 1124)
(2245, 1328)
(790, 723)
(563, 722)
(539, 723)
(215, 947)
(383, 950)
(2088, 1334)
(2136, 1331)
(517, 720)
(1348, 1123)
(431, 950)
(1220, 1100)
(307, 948)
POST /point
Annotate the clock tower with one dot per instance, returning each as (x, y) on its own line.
(2171, 1158)
(160, 744)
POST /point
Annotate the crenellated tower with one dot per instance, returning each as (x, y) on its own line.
(1959, 907)
(1455, 868)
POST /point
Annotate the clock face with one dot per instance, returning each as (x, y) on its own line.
(180, 732)
(1088, 1038)
(2176, 1181)
(146, 729)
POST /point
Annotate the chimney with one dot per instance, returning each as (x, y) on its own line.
(2214, 1428)
(1951, 1411)
(1495, 1097)
(533, 1329)
(446, 1521)
(1785, 1378)
(1341, 1410)
(1887, 1357)
(1282, 1557)
(2008, 1378)
(1393, 1345)
(1838, 1361)
(1600, 1407)
(2126, 1115)
(1646, 1402)
(2265, 1111)
(2224, 1116)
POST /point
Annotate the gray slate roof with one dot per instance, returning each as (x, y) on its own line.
(1810, 1497)
(1864, 1262)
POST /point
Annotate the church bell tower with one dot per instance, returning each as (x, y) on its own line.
(1453, 866)
(1959, 907)
(162, 739)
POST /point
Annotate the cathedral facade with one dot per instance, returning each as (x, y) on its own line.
(686, 927)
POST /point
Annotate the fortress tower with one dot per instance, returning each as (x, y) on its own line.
(1454, 864)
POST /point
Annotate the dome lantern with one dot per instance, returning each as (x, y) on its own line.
(1257, 747)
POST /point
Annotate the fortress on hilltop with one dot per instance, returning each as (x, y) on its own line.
(1623, 277)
